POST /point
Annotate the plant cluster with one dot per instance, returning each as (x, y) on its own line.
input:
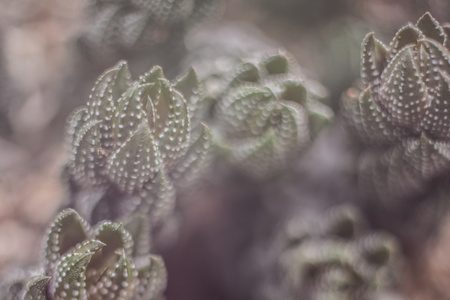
(134, 142)
(109, 261)
(267, 113)
(335, 258)
(121, 29)
(402, 111)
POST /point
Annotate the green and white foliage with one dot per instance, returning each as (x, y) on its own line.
(80, 262)
(336, 257)
(120, 29)
(134, 143)
(402, 112)
(268, 113)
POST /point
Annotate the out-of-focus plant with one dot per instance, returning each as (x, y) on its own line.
(156, 29)
(334, 257)
(110, 261)
(134, 142)
(402, 112)
(267, 113)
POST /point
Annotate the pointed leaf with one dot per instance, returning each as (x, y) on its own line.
(405, 36)
(136, 162)
(118, 281)
(104, 97)
(196, 160)
(70, 279)
(431, 28)
(152, 278)
(86, 161)
(436, 121)
(189, 87)
(138, 225)
(75, 122)
(129, 113)
(426, 158)
(36, 288)
(247, 111)
(172, 125)
(158, 198)
(152, 76)
(373, 60)
(403, 93)
(376, 125)
(247, 72)
(115, 237)
(67, 230)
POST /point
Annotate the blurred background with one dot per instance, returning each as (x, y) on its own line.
(46, 71)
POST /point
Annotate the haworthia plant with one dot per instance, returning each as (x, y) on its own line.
(335, 258)
(81, 262)
(120, 29)
(267, 114)
(403, 109)
(134, 142)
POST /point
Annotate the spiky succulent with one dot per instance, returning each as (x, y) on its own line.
(268, 113)
(402, 112)
(335, 258)
(133, 142)
(121, 29)
(110, 261)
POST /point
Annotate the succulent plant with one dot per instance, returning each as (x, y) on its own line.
(80, 262)
(402, 112)
(122, 29)
(133, 142)
(268, 113)
(335, 257)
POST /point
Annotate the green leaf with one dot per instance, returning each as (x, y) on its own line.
(152, 278)
(129, 113)
(68, 230)
(403, 93)
(85, 163)
(118, 281)
(152, 76)
(138, 225)
(70, 276)
(35, 288)
(373, 60)
(436, 121)
(136, 162)
(189, 87)
(172, 125)
(115, 237)
(431, 28)
(196, 160)
(376, 127)
(407, 35)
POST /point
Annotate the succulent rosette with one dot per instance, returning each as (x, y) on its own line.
(333, 257)
(402, 112)
(268, 113)
(119, 29)
(110, 261)
(134, 142)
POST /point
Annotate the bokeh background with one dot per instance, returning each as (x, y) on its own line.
(41, 82)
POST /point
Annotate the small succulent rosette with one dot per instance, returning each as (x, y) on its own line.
(118, 29)
(134, 143)
(268, 114)
(110, 261)
(336, 258)
(402, 112)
